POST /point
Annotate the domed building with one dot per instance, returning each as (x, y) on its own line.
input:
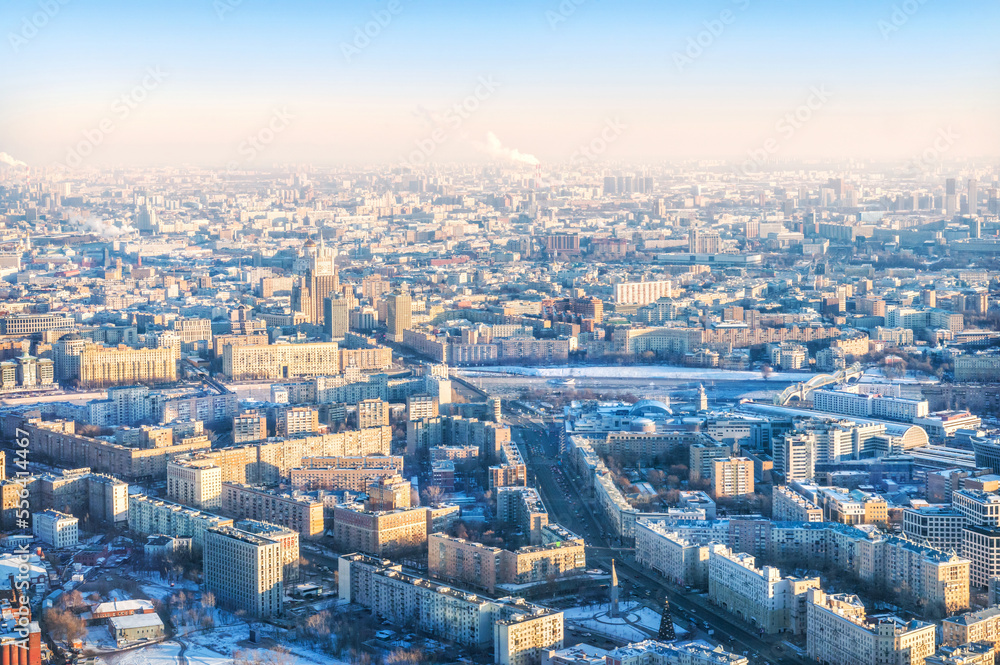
(650, 408)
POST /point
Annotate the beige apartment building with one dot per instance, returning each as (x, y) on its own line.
(642, 293)
(701, 457)
(480, 566)
(249, 427)
(841, 633)
(59, 440)
(288, 539)
(352, 478)
(294, 420)
(367, 360)
(982, 626)
(732, 477)
(195, 482)
(244, 571)
(281, 361)
(300, 514)
(380, 534)
(270, 462)
(389, 493)
(373, 413)
(102, 366)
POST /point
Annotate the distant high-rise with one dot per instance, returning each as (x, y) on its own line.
(951, 197)
(399, 315)
(336, 316)
(973, 196)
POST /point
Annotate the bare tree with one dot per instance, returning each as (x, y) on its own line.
(433, 494)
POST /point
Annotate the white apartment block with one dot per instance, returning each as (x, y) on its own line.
(519, 632)
(56, 529)
(148, 516)
(795, 456)
(195, 482)
(642, 293)
(761, 597)
(869, 405)
(650, 652)
(841, 633)
(244, 571)
(787, 505)
(684, 562)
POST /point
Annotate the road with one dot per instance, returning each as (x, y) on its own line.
(571, 508)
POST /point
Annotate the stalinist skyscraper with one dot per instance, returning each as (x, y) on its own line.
(317, 265)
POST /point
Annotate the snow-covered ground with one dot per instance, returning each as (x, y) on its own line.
(165, 653)
(215, 647)
(629, 626)
(155, 586)
(640, 372)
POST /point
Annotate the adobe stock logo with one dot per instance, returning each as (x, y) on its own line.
(450, 120)
(714, 28)
(786, 127)
(255, 143)
(365, 34)
(609, 134)
(121, 109)
(900, 16)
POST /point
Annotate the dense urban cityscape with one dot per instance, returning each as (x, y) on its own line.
(539, 417)
(545, 332)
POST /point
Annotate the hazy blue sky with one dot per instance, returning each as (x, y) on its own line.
(561, 75)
